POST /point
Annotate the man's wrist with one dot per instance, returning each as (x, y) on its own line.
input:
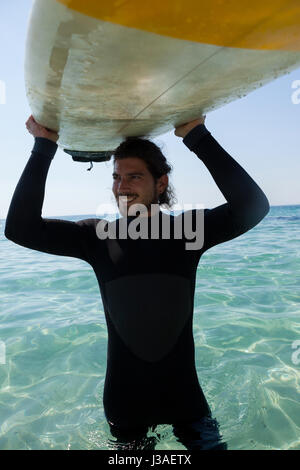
(45, 146)
(194, 135)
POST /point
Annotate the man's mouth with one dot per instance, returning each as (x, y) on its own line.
(123, 198)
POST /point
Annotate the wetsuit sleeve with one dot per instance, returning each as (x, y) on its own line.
(24, 224)
(246, 203)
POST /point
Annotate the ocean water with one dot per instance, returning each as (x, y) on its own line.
(53, 342)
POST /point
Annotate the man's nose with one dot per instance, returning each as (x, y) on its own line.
(123, 185)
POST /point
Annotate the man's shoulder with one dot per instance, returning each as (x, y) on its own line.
(192, 212)
(91, 222)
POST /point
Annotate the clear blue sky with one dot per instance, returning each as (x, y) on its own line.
(261, 131)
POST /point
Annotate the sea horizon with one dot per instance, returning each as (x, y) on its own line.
(167, 210)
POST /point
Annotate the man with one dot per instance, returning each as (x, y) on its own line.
(147, 285)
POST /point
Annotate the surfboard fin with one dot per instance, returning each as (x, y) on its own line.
(90, 156)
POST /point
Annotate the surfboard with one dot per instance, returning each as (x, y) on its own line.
(98, 71)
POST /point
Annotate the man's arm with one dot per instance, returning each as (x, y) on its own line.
(24, 224)
(246, 203)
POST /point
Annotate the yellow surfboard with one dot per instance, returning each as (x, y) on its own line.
(97, 71)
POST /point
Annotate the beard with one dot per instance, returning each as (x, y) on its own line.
(138, 204)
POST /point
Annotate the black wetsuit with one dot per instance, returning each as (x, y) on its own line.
(147, 286)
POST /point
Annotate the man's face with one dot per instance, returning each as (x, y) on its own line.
(133, 180)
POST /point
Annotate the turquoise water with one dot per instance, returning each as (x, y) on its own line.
(247, 306)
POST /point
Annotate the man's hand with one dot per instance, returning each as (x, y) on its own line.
(184, 129)
(37, 130)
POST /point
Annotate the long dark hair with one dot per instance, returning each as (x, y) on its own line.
(156, 162)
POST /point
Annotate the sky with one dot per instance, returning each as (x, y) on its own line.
(260, 131)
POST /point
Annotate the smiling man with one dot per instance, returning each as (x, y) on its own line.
(142, 181)
(134, 183)
(147, 285)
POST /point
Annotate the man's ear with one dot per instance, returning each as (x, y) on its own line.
(162, 183)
